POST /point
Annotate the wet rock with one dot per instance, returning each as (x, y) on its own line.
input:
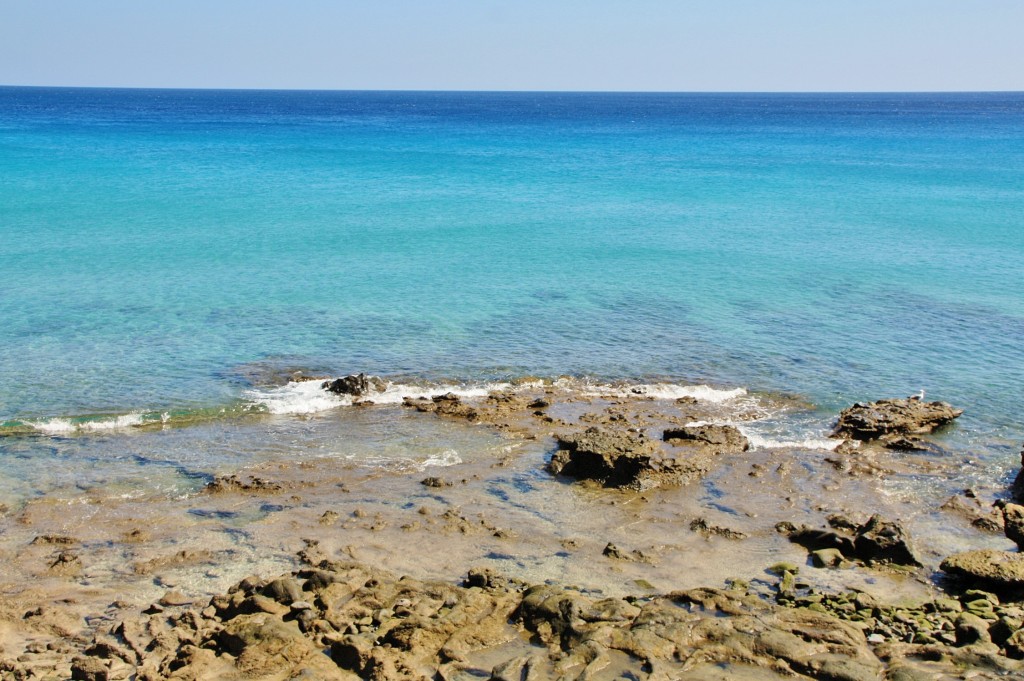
(1017, 489)
(905, 443)
(616, 459)
(707, 530)
(895, 417)
(283, 590)
(66, 564)
(182, 557)
(434, 481)
(614, 552)
(356, 385)
(449, 404)
(987, 568)
(232, 483)
(54, 539)
(884, 541)
(970, 508)
(877, 540)
(621, 458)
(826, 558)
(1013, 524)
(724, 439)
(174, 599)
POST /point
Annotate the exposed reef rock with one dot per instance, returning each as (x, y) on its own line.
(875, 541)
(1000, 571)
(621, 458)
(615, 459)
(378, 627)
(232, 483)
(724, 439)
(448, 404)
(356, 385)
(887, 419)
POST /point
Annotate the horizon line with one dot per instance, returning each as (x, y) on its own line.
(512, 91)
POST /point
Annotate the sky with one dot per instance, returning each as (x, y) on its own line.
(635, 45)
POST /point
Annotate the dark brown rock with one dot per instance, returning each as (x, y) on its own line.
(356, 385)
(877, 540)
(616, 459)
(724, 439)
(1013, 524)
(1018, 483)
(897, 417)
(884, 541)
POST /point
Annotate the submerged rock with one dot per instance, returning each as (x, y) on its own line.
(355, 385)
(895, 418)
(448, 404)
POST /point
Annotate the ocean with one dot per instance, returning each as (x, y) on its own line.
(170, 258)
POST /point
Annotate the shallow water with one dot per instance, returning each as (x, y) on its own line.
(169, 257)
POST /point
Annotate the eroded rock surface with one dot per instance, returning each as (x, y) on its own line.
(894, 418)
(375, 626)
(356, 385)
(875, 541)
(998, 570)
(725, 439)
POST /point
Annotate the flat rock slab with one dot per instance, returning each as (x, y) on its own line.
(994, 569)
(876, 420)
(725, 439)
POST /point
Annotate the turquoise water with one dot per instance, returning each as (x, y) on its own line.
(165, 251)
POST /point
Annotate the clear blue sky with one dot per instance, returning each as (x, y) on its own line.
(685, 45)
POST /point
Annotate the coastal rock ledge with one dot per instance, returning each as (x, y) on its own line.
(630, 460)
(893, 418)
(1000, 571)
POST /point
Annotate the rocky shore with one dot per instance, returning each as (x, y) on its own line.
(649, 540)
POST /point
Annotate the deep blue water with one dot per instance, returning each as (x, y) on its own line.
(157, 245)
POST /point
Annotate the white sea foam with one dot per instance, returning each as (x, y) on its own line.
(666, 391)
(448, 457)
(760, 440)
(303, 397)
(308, 397)
(64, 426)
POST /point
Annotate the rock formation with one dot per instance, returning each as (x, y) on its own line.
(893, 418)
